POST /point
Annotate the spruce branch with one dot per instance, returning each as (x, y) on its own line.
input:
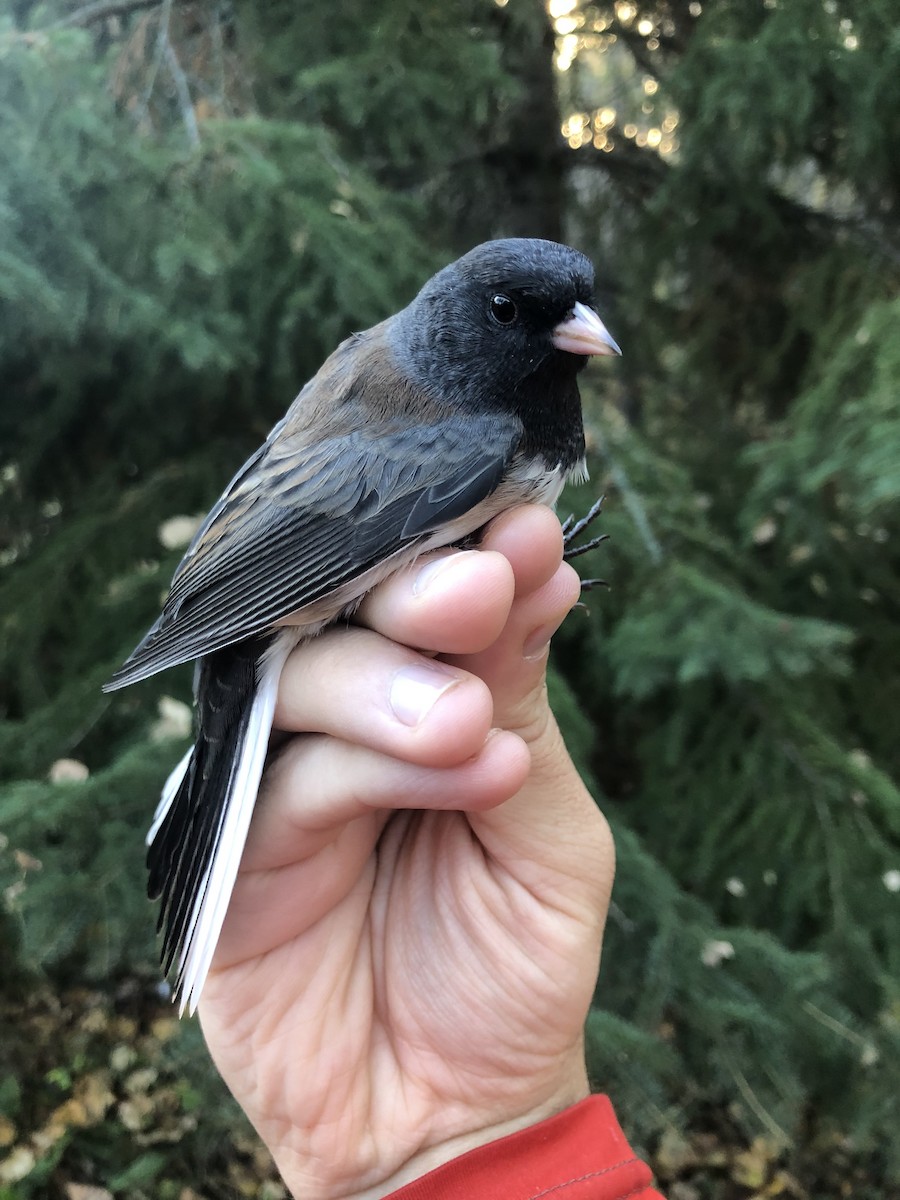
(633, 502)
(162, 37)
(641, 171)
(182, 91)
(92, 13)
(644, 170)
(756, 1106)
(218, 50)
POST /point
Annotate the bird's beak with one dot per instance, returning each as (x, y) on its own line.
(582, 332)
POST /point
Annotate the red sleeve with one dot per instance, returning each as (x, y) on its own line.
(580, 1154)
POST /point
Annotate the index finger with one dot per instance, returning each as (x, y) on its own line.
(458, 601)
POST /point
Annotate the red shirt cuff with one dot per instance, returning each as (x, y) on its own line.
(580, 1154)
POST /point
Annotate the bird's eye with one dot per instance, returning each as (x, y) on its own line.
(503, 310)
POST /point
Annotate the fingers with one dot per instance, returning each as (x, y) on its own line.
(413, 731)
(530, 539)
(550, 834)
(452, 601)
(365, 687)
(457, 602)
(388, 727)
(514, 665)
(318, 782)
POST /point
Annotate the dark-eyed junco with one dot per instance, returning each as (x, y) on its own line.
(412, 436)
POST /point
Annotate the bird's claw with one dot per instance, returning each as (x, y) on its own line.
(573, 529)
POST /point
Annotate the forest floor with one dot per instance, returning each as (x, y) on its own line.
(97, 1102)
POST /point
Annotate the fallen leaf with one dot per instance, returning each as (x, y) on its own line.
(177, 532)
(751, 1167)
(121, 1058)
(272, 1190)
(141, 1081)
(26, 862)
(94, 1093)
(784, 1184)
(17, 1165)
(124, 1029)
(134, 1113)
(7, 1131)
(68, 770)
(164, 1028)
(674, 1154)
(764, 531)
(94, 1020)
(176, 720)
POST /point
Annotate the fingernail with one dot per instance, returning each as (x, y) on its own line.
(415, 690)
(537, 642)
(429, 571)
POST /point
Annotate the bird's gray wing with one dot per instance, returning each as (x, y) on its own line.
(300, 522)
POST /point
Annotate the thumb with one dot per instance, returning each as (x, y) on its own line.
(550, 834)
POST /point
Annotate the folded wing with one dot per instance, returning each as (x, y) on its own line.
(300, 522)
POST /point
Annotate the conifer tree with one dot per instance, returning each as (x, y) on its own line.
(199, 200)
(742, 673)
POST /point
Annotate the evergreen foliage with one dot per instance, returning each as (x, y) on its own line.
(170, 273)
(742, 672)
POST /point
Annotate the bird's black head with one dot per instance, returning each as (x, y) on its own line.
(507, 327)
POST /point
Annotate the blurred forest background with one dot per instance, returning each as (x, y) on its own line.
(197, 201)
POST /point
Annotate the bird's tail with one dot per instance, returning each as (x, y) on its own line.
(198, 833)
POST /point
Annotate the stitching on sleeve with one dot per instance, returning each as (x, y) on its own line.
(626, 1162)
(638, 1191)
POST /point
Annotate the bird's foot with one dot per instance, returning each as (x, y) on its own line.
(573, 529)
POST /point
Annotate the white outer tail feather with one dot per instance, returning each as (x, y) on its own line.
(211, 903)
(170, 790)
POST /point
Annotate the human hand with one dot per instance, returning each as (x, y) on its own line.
(413, 940)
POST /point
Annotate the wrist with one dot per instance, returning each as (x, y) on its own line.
(439, 1155)
(307, 1179)
(581, 1152)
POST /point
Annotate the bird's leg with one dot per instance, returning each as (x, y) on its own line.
(573, 529)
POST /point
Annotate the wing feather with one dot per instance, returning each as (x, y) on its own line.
(296, 528)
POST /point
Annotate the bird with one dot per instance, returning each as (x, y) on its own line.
(411, 436)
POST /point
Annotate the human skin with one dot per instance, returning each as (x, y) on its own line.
(414, 937)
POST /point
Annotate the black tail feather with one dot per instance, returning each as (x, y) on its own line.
(187, 840)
